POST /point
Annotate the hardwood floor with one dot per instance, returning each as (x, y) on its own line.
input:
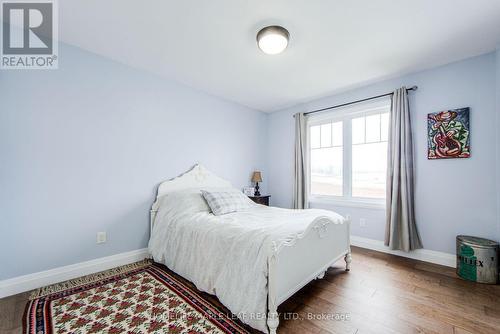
(11, 313)
(381, 294)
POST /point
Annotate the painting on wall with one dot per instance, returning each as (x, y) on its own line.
(448, 134)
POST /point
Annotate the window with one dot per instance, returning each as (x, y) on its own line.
(348, 153)
(327, 159)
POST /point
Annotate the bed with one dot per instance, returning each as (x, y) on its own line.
(251, 260)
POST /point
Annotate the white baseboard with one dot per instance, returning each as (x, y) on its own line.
(444, 259)
(28, 282)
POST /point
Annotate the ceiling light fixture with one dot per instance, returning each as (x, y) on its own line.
(272, 39)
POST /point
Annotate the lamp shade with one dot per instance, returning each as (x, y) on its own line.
(256, 177)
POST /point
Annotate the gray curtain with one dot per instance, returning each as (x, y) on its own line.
(401, 229)
(300, 200)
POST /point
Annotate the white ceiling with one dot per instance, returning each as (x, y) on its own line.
(334, 45)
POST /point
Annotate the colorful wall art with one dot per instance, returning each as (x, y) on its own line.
(448, 134)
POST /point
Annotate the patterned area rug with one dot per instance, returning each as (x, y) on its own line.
(145, 299)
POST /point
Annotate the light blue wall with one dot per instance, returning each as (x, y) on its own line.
(452, 196)
(83, 148)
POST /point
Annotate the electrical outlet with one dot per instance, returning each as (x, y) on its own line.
(101, 237)
(362, 222)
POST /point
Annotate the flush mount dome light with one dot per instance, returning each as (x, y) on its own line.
(273, 39)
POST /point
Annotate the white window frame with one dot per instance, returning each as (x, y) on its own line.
(345, 114)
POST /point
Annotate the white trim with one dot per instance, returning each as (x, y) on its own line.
(444, 259)
(28, 282)
(364, 203)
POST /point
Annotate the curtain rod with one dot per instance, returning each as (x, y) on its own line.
(357, 101)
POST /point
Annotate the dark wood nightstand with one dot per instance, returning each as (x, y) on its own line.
(264, 200)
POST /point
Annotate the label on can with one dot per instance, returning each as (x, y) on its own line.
(468, 263)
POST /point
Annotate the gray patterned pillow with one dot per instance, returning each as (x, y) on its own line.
(226, 201)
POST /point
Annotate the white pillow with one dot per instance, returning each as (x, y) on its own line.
(189, 200)
(226, 200)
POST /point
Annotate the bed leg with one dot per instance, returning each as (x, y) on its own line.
(272, 306)
(272, 321)
(321, 275)
(348, 260)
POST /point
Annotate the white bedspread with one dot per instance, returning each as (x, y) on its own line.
(227, 255)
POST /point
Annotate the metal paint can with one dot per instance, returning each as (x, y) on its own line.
(477, 259)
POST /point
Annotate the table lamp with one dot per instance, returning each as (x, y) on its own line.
(256, 177)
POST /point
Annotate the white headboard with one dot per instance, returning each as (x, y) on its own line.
(197, 177)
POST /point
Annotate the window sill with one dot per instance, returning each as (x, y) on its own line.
(356, 203)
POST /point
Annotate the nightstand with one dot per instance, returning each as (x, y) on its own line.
(264, 200)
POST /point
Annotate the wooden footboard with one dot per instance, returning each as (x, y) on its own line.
(295, 263)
